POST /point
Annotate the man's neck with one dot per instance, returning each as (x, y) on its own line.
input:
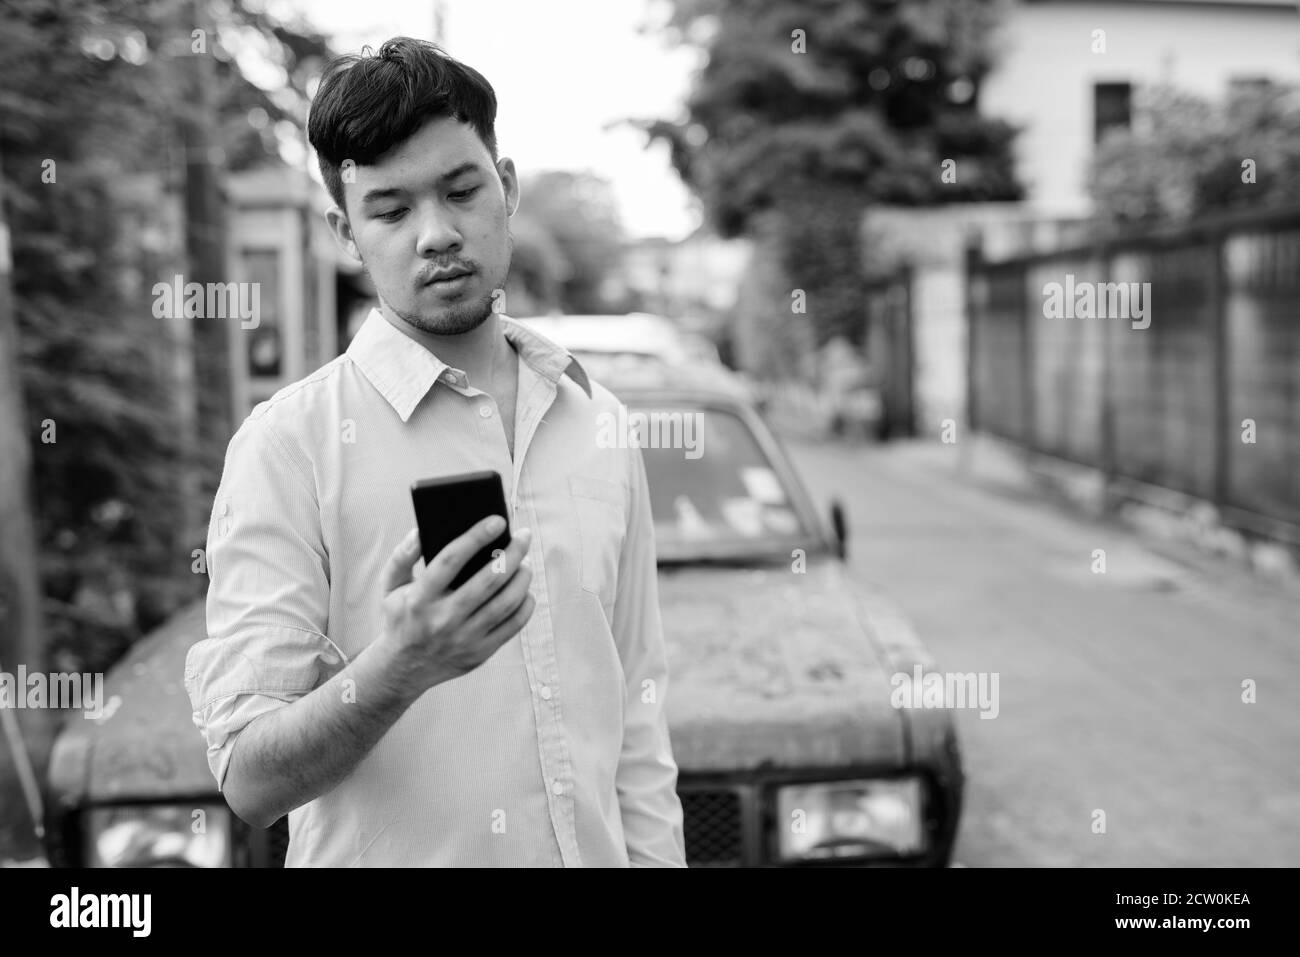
(474, 352)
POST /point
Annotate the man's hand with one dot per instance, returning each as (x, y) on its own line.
(440, 634)
(294, 754)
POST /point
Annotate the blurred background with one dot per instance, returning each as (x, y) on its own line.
(853, 206)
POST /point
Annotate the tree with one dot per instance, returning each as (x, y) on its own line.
(813, 110)
(90, 112)
(578, 211)
(538, 268)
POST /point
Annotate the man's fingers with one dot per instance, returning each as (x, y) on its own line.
(489, 579)
(398, 570)
(447, 563)
(503, 632)
(499, 607)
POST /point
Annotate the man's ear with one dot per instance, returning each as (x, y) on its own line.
(509, 183)
(341, 230)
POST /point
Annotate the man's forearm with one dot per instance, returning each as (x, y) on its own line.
(296, 753)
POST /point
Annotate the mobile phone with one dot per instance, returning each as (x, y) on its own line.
(446, 508)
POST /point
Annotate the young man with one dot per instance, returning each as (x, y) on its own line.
(518, 720)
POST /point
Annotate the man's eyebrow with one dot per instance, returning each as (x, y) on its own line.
(469, 166)
(373, 194)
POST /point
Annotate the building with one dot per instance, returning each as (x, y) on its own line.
(310, 293)
(1067, 70)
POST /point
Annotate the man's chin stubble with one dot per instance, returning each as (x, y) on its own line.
(456, 321)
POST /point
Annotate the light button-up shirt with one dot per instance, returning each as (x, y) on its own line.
(553, 752)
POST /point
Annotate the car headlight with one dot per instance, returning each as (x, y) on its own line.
(850, 819)
(159, 835)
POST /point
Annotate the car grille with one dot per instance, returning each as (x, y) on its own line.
(713, 830)
(721, 822)
(712, 824)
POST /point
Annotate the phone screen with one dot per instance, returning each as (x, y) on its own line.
(446, 508)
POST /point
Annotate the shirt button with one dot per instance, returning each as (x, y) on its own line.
(545, 692)
(485, 411)
(557, 788)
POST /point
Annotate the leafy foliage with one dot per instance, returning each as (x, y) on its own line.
(814, 110)
(92, 98)
(1183, 156)
(578, 213)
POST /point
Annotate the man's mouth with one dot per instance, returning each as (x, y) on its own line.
(447, 277)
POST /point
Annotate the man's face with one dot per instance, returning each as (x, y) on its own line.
(430, 223)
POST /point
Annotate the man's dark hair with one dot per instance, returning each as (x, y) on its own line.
(368, 103)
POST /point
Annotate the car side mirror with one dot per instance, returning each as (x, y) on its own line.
(840, 525)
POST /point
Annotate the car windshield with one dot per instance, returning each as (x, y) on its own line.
(713, 491)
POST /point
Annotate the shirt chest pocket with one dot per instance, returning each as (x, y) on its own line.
(599, 513)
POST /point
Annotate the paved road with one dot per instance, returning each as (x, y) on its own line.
(1119, 692)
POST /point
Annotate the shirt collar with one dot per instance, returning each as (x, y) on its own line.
(403, 370)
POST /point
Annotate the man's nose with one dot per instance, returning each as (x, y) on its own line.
(438, 233)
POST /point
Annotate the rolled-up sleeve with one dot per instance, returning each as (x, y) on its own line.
(268, 593)
(647, 773)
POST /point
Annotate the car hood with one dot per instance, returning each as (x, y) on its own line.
(772, 668)
(145, 745)
(768, 668)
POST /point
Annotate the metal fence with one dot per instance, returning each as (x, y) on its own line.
(1205, 399)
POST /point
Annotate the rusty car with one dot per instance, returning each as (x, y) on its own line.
(789, 750)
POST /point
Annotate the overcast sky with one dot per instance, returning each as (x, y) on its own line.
(562, 70)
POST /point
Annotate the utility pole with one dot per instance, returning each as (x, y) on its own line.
(205, 371)
(440, 22)
(20, 588)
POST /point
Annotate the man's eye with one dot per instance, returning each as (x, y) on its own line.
(464, 194)
(391, 215)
